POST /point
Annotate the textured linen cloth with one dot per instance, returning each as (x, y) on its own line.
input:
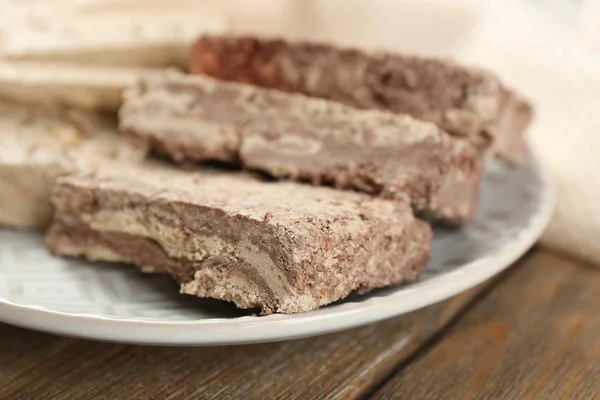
(554, 62)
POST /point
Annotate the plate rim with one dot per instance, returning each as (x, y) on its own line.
(277, 327)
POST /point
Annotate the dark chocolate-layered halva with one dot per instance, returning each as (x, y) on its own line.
(464, 101)
(281, 246)
(193, 118)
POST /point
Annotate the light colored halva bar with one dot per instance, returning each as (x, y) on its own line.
(119, 35)
(88, 87)
(38, 145)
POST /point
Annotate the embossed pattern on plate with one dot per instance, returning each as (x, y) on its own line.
(119, 303)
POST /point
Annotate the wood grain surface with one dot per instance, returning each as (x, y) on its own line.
(342, 365)
(534, 336)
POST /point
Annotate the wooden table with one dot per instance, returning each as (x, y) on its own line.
(532, 333)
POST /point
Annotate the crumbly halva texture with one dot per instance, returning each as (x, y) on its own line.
(38, 145)
(195, 118)
(465, 101)
(282, 246)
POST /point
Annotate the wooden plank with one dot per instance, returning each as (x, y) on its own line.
(534, 336)
(341, 365)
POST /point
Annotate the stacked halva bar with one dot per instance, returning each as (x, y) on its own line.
(465, 102)
(281, 246)
(325, 185)
(39, 145)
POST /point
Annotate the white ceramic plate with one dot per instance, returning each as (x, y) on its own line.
(118, 303)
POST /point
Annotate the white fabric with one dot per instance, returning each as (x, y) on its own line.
(554, 66)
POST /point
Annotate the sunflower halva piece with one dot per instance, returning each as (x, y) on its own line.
(87, 87)
(195, 118)
(282, 246)
(38, 145)
(118, 35)
(465, 101)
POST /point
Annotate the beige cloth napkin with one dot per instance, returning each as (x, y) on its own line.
(554, 63)
(547, 49)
